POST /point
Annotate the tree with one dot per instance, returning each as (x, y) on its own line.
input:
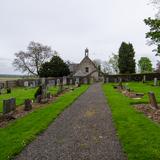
(113, 61)
(55, 68)
(154, 33)
(106, 67)
(31, 60)
(158, 67)
(126, 61)
(98, 64)
(145, 65)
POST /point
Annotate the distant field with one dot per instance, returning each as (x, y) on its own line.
(9, 78)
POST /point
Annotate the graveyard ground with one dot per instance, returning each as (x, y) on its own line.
(20, 132)
(21, 94)
(138, 134)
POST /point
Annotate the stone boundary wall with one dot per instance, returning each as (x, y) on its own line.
(37, 82)
(131, 77)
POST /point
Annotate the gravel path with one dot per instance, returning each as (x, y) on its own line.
(84, 131)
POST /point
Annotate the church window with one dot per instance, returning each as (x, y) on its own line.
(87, 69)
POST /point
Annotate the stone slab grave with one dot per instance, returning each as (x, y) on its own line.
(9, 105)
(27, 104)
(152, 100)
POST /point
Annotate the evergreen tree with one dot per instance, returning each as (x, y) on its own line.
(126, 61)
(55, 68)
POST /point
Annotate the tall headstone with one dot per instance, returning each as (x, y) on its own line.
(71, 82)
(155, 81)
(152, 100)
(64, 80)
(26, 84)
(58, 82)
(107, 80)
(144, 79)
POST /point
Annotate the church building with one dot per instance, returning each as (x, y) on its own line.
(86, 68)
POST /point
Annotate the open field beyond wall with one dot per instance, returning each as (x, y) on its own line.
(138, 134)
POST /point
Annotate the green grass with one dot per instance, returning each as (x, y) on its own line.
(16, 135)
(139, 136)
(21, 94)
(144, 88)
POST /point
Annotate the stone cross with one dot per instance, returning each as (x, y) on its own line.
(152, 100)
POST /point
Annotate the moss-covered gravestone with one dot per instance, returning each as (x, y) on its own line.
(9, 105)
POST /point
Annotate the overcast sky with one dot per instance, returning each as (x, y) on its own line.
(69, 26)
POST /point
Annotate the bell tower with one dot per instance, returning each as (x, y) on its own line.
(86, 52)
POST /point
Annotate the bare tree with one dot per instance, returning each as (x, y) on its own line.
(31, 60)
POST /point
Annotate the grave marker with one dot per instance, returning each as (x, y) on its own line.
(9, 105)
(27, 105)
(155, 81)
(26, 84)
(152, 100)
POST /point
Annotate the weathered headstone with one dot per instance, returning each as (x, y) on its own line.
(9, 105)
(77, 80)
(33, 84)
(107, 80)
(152, 100)
(155, 81)
(26, 84)
(64, 80)
(58, 82)
(144, 79)
(38, 98)
(27, 105)
(71, 82)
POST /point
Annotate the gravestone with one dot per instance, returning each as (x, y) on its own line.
(58, 82)
(107, 80)
(27, 105)
(34, 84)
(64, 80)
(155, 81)
(144, 79)
(26, 84)
(152, 100)
(9, 105)
(77, 81)
(71, 82)
(38, 98)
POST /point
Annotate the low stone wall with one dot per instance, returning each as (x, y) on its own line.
(131, 77)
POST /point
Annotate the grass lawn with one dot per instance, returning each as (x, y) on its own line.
(16, 135)
(21, 94)
(144, 88)
(139, 136)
